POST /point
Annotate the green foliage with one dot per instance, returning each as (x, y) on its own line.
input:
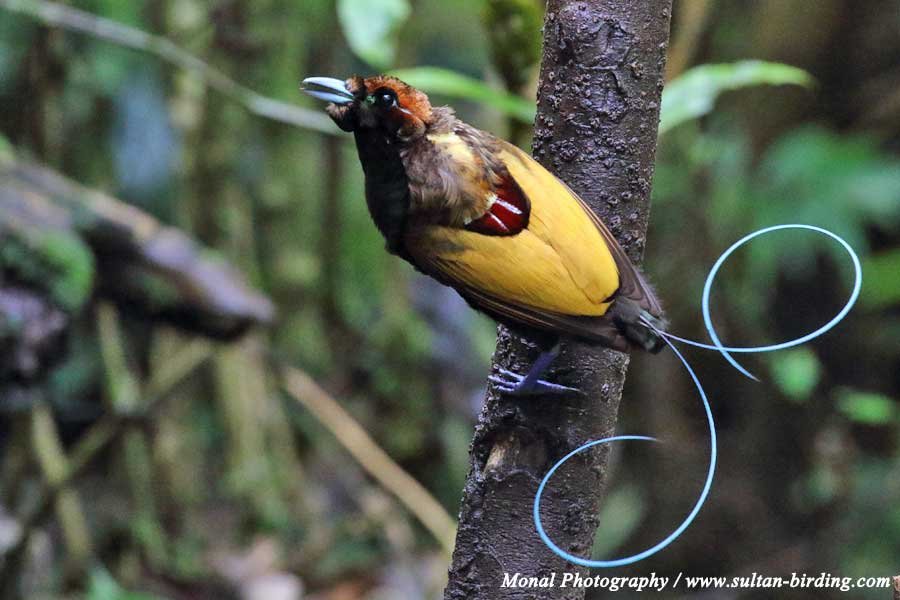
(370, 28)
(56, 261)
(689, 97)
(873, 526)
(843, 183)
(15, 37)
(514, 29)
(694, 93)
(7, 154)
(455, 85)
(74, 380)
(817, 488)
(72, 266)
(456, 434)
(111, 66)
(881, 289)
(866, 408)
(796, 372)
(621, 513)
(352, 552)
(103, 587)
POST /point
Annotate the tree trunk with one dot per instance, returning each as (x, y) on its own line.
(598, 111)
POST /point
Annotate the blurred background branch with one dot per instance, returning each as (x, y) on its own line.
(59, 15)
(370, 456)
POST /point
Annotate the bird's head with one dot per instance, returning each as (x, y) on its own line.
(380, 103)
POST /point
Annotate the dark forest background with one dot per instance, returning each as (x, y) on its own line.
(213, 462)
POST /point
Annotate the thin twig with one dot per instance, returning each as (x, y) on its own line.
(124, 396)
(370, 456)
(52, 459)
(58, 15)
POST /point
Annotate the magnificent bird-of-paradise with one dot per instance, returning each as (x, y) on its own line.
(482, 216)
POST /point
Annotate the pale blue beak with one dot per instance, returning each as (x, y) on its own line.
(328, 89)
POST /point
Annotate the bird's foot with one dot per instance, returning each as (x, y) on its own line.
(513, 384)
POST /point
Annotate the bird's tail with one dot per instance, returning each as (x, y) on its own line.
(637, 325)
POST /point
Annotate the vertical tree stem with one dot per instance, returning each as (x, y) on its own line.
(598, 111)
(124, 398)
(54, 464)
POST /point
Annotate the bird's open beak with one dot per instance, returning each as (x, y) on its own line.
(327, 89)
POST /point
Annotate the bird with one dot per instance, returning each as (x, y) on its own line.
(482, 216)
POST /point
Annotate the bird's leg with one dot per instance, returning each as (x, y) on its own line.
(531, 384)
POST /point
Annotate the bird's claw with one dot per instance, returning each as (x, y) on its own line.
(513, 384)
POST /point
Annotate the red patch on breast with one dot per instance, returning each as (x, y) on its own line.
(508, 215)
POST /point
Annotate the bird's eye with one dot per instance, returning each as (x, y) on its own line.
(386, 99)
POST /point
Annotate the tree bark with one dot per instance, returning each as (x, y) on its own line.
(598, 110)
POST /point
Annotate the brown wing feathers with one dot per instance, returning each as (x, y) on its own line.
(533, 253)
(631, 283)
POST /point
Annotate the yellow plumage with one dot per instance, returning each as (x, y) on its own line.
(561, 263)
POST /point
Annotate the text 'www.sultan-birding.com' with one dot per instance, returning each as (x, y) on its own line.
(659, 583)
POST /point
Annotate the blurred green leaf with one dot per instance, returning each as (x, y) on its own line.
(690, 96)
(450, 83)
(844, 183)
(56, 261)
(455, 435)
(868, 408)
(111, 66)
(818, 488)
(797, 372)
(882, 280)
(7, 154)
(622, 512)
(370, 28)
(103, 587)
(694, 93)
(15, 40)
(514, 31)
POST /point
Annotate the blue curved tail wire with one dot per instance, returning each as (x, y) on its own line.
(724, 350)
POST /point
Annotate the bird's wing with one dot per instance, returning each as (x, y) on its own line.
(521, 269)
(560, 271)
(631, 283)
